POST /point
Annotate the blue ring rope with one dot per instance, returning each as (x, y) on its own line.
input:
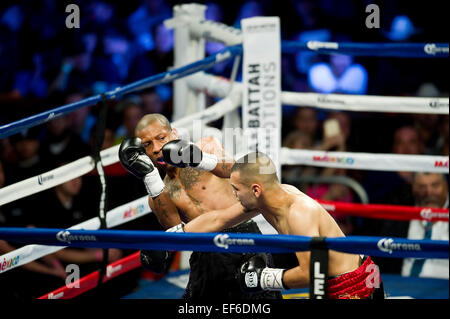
(165, 77)
(401, 50)
(224, 242)
(404, 50)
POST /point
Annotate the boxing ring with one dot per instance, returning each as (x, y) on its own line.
(191, 85)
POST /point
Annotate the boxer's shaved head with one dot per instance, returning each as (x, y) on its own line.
(256, 167)
(151, 118)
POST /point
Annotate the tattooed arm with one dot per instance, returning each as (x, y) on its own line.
(225, 162)
(163, 206)
(165, 210)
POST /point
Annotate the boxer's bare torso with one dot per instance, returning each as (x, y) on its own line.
(195, 192)
(304, 216)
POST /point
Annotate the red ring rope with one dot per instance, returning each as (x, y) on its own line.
(391, 212)
(90, 281)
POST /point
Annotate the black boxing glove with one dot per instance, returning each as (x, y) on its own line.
(182, 153)
(157, 261)
(133, 157)
(255, 276)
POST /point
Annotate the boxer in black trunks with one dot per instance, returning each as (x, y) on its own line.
(189, 189)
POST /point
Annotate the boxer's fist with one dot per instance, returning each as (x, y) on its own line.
(133, 157)
(182, 153)
(254, 275)
(158, 261)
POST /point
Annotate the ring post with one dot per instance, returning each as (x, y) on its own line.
(187, 49)
(318, 268)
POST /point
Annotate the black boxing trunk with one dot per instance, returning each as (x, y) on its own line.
(212, 275)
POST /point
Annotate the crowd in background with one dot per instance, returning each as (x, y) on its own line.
(43, 65)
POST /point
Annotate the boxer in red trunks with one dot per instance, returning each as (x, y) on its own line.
(290, 212)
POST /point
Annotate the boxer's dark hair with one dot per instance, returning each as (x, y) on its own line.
(255, 167)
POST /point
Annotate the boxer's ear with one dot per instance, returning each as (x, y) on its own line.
(256, 190)
(174, 133)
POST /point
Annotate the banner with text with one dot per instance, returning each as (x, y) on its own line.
(261, 107)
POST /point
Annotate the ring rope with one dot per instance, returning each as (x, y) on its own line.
(350, 160)
(165, 77)
(390, 212)
(365, 161)
(217, 31)
(90, 281)
(218, 86)
(139, 207)
(230, 242)
(114, 217)
(401, 50)
(347, 160)
(57, 176)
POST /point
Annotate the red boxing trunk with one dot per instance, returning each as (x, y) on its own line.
(358, 284)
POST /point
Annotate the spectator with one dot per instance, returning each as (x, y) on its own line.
(407, 141)
(30, 80)
(113, 58)
(427, 126)
(75, 74)
(157, 60)
(305, 120)
(65, 206)
(141, 22)
(401, 29)
(164, 42)
(430, 190)
(334, 139)
(82, 119)
(392, 188)
(61, 143)
(100, 15)
(45, 273)
(442, 143)
(131, 114)
(29, 161)
(298, 140)
(395, 187)
(155, 102)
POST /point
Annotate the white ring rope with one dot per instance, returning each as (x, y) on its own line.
(376, 162)
(218, 86)
(365, 161)
(114, 217)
